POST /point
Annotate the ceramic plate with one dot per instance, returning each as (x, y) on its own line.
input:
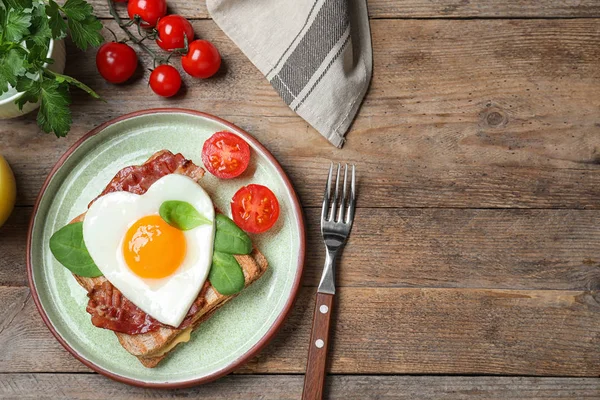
(241, 327)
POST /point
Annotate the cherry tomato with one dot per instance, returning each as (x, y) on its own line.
(148, 10)
(202, 60)
(171, 30)
(254, 208)
(225, 155)
(165, 80)
(116, 62)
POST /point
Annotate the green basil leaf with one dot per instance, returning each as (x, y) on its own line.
(69, 249)
(229, 238)
(181, 215)
(225, 274)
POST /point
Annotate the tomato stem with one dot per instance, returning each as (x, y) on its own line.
(134, 39)
(183, 50)
(113, 33)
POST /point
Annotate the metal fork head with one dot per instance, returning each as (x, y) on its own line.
(337, 214)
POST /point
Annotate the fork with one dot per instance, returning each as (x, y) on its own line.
(337, 216)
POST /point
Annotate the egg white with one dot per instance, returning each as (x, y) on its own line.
(106, 223)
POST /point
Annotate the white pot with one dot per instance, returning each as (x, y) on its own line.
(8, 108)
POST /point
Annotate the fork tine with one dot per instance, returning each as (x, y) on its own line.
(326, 196)
(352, 203)
(340, 216)
(335, 195)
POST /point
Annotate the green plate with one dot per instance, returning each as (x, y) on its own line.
(241, 327)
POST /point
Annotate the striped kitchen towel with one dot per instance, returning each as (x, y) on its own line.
(316, 53)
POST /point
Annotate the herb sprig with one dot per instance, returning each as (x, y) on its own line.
(26, 27)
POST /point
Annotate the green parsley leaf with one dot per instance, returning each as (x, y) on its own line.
(87, 32)
(18, 4)
(26, 28)
(36, 57)
(11, 67)
(3, 12)
(39, 31)
(30, 89)
(72, 81)
(77, 9)
(56, 22)
(24, 83)
(54, 115)
(16, 25)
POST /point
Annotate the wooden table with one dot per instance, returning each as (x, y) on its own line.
(473, 271)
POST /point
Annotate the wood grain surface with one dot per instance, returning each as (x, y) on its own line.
(511, 122)
(289, 387)
(497, 249)
(387, 330)
(476, 246)
(423, 9)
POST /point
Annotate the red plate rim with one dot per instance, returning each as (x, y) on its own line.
(254, 350)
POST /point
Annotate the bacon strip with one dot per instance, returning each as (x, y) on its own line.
(111, 310)
(107, 305)
(137, 179)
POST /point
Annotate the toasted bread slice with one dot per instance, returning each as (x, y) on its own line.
(150, 347)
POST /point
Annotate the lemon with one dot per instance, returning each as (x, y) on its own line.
(8, 190)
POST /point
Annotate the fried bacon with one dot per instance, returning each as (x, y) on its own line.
(111, 310)
(107, 305)
(137, 179)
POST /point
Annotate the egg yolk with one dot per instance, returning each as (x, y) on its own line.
(152, 248)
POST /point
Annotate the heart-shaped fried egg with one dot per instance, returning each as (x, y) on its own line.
(159, 267)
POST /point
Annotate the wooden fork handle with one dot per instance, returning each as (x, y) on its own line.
(317, 349)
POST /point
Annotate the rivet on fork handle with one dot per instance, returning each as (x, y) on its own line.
(317, 352)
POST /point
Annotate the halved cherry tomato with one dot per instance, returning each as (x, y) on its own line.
(116, 62)
(225, 155)
(202, 60)
(148, 10)
(254, 208)
(171, 30)
(165, 80)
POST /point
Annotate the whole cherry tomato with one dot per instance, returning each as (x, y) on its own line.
(254, 208)
(171, 30)
(165, 80)
(225, 155)
(202, 60)
(116, 62)
(148, 10)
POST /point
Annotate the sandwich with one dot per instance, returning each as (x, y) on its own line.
(155, 256)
